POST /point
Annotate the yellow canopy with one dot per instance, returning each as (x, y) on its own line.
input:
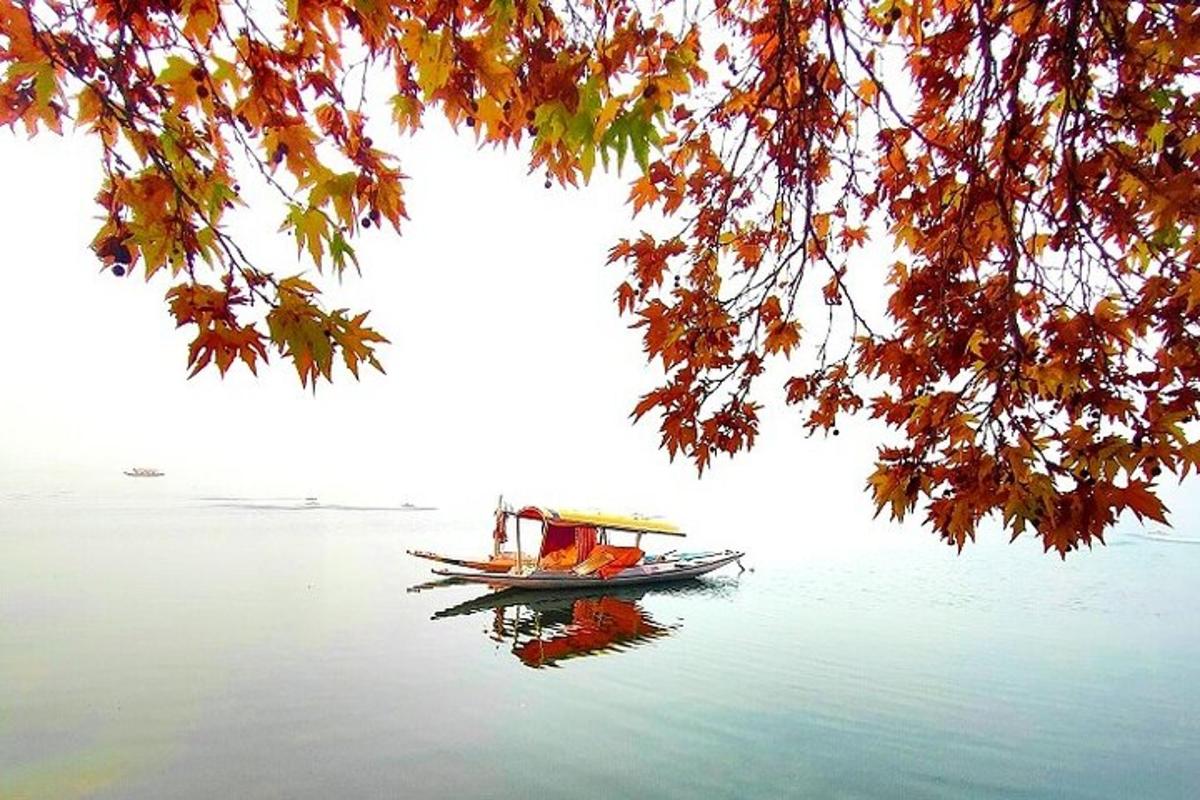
(633, 524)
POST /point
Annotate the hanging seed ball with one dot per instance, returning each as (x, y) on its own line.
(836, 432)
(895, 14)
(470, 122)
(547, 183)
(202, 91)
(197, 74)
(529, 115)
(365, 222)
(118, 270)
(368, 141)
(121, 254)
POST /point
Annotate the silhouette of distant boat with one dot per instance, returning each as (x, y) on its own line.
(144, 472)
(1163, 536)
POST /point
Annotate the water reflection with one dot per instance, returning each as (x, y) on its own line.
(544, 628)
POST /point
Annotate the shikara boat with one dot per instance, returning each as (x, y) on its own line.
(576, 552)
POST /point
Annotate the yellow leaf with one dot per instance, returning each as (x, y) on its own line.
(433, 62)
(867, 91)
(1022, 19)
(821, 225)
(976, 341)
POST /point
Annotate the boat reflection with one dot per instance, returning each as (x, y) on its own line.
(544, 628)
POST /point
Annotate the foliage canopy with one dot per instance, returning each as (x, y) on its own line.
(1034, 163)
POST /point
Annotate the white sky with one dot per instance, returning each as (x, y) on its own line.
(509, 369)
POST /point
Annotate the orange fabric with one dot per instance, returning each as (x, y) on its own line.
(624, 558)
(607, 560)
(501, 563)
(562, 559)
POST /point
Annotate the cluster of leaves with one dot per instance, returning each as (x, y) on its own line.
(1033, 162)
(1037, 171)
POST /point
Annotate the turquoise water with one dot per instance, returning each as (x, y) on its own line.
(257, 648)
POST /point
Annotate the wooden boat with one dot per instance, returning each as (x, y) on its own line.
(575, 553)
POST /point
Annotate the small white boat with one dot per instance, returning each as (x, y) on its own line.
(144, 472)
(575, 553)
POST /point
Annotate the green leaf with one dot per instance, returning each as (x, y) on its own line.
(339, 251)
(1161, 99)
(551, 120)
(632, 130)
(587, 160)
(1157, 133)
(311, 228)
(176, 70)
(218, 195)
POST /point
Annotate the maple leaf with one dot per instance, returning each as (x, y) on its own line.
(643, 193)
(782, 337)
(1141, 501)
(311, 228)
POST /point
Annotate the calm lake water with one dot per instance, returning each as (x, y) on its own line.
(257, 648)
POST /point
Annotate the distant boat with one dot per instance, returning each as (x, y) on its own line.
(144, 472)
(1163, 536)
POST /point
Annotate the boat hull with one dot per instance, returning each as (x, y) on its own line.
(660, 572)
